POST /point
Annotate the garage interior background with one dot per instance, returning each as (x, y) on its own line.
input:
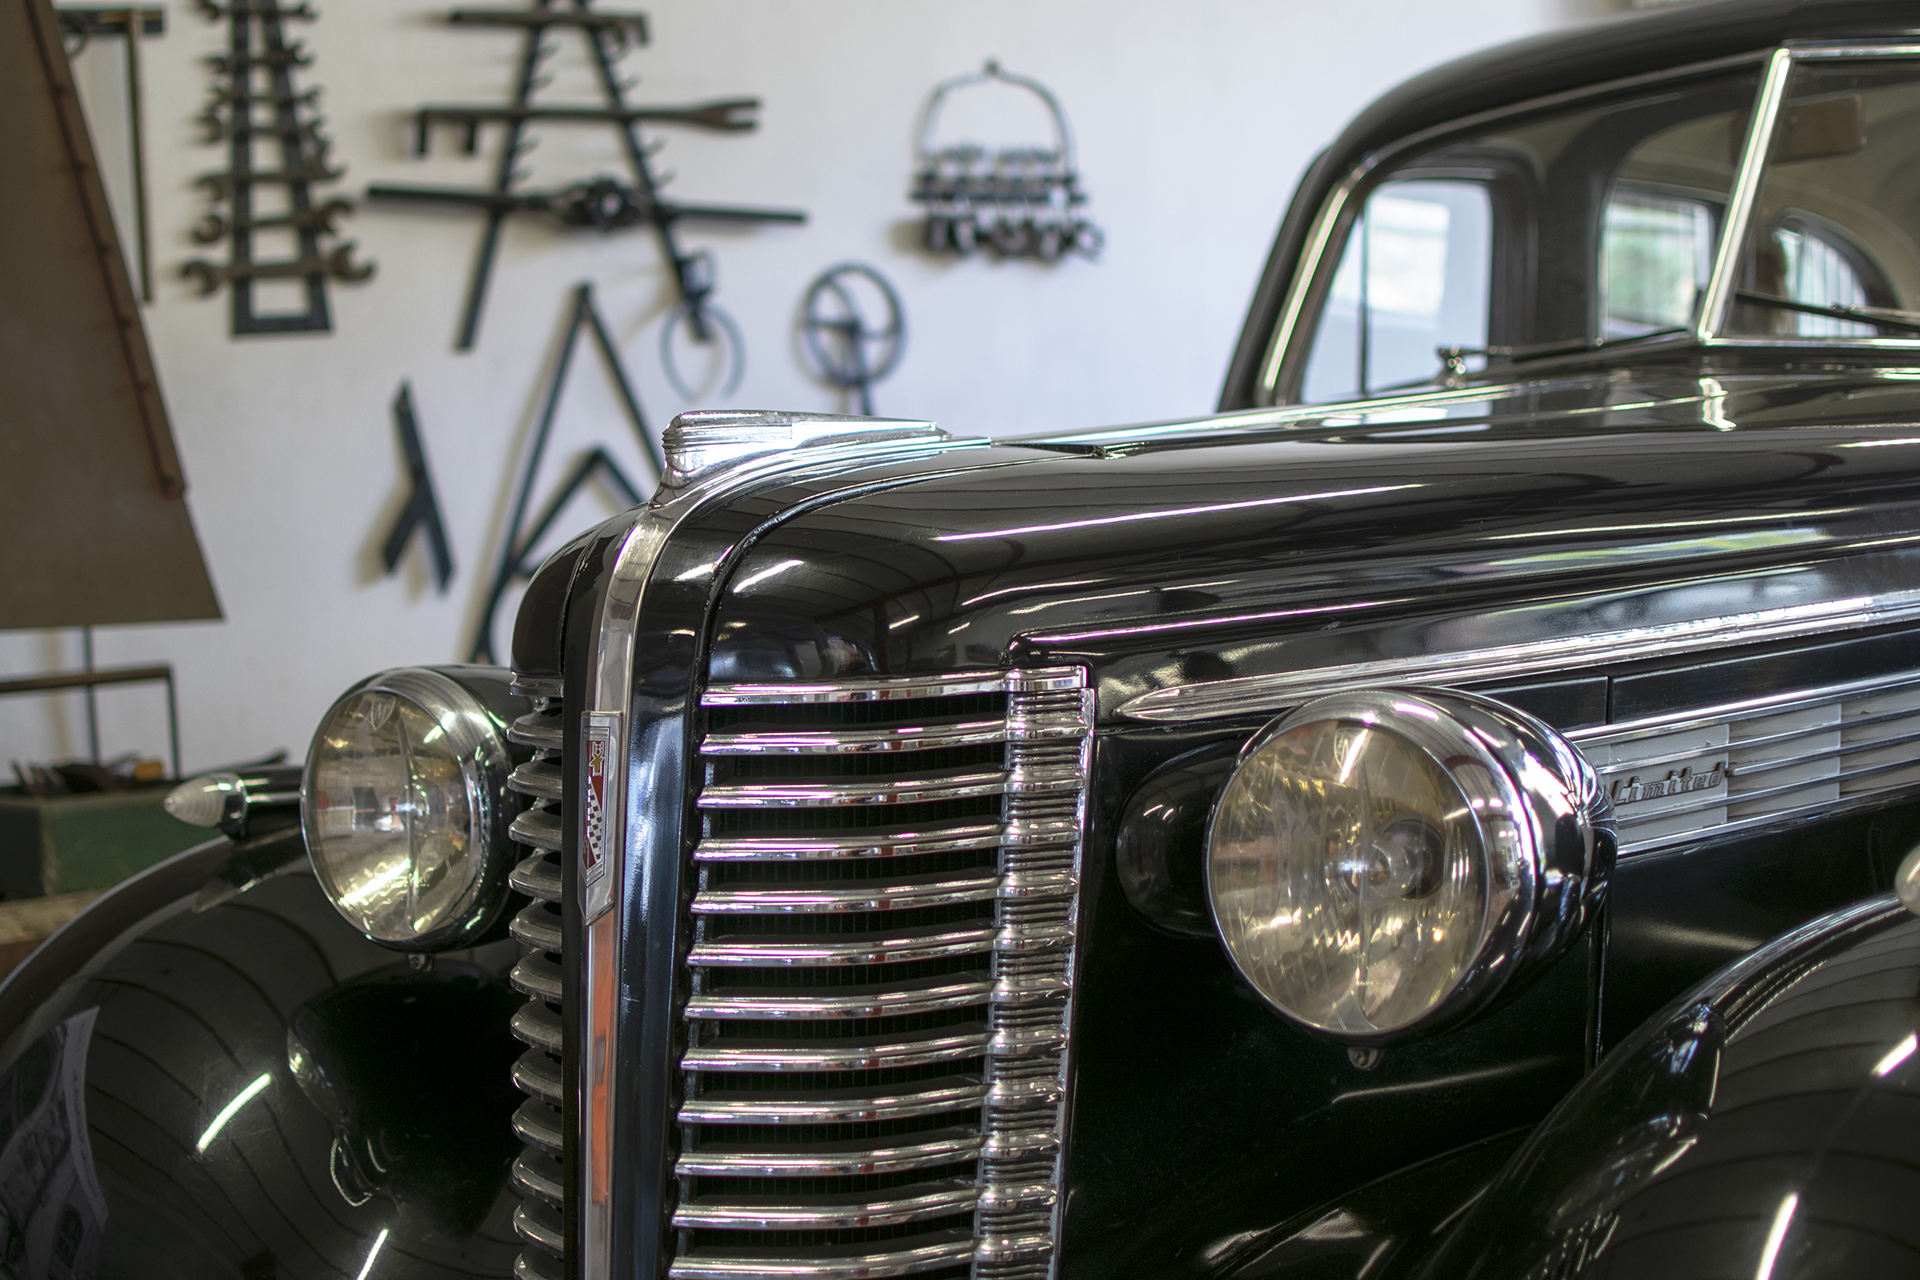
(1193, 123)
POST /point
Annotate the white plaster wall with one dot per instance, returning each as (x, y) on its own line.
(1193, 122)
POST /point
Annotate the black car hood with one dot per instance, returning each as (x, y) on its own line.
(1267, 541)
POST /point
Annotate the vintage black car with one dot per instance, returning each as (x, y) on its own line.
(1206, 848)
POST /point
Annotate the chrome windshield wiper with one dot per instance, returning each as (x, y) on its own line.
(1453, 360)
(1885, 317)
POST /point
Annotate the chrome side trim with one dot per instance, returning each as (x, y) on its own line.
(952, 839)
(860, 897)
(940, 1147)
(1269, 694)
(887, 948)
(947, 1094)
(926, 996)
(855, 741)
(839, 793)
(941, 1201)
(1746, 186)
(884, 688)
(898, 1262)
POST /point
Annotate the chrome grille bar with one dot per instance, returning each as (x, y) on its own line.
(539, 1074)
(881, 976)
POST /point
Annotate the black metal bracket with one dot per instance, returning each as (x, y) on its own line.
(423, 509)
(523, 536)
(608, 35)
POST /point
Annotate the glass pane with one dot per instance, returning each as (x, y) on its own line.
(1413, 278)
(1551, 232)
(1832, 241)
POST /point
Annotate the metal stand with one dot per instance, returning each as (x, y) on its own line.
(602, 203)
(423, 508)
(91, 680)
(521, 539)
(81, 25)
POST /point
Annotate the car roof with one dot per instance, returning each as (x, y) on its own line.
(1559, 61)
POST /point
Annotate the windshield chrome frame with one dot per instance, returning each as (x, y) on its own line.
(1284, 356)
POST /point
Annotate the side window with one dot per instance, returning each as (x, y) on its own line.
(1414, 278)
(1835, 235)
(1662, 225)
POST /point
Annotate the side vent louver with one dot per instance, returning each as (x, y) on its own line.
(537, 1173)
(1728, 769)
(882, 977)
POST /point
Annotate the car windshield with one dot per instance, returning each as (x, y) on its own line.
(1831, 250)
(1556, 232)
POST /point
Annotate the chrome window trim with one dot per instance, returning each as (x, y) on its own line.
(610, 689)
(1746, 188)
(1314, 248)
(1275, 692)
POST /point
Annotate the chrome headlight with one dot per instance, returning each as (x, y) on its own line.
(405, 807)
(1386, 862)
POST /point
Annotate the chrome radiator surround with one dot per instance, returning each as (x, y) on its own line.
(922, 1132)
(1743, 766)
(538, 1172)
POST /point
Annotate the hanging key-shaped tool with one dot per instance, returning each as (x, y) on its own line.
(613, 204)
(422, 511)
(214, 226)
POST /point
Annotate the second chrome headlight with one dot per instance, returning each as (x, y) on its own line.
(1386, 862)
(405, 808)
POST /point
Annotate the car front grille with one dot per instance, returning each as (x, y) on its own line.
(538, 1172)
(881, 976)
(1721, 770)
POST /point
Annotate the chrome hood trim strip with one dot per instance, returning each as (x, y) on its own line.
(1271, 694)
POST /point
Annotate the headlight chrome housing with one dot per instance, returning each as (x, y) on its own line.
(1385, 863)
(405, 808)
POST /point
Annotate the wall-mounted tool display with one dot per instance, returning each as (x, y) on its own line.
(264, 119)
(855, 329)
(422, 511)
(603, 203)
(1020, 201)
(81, 25)
(523, 535)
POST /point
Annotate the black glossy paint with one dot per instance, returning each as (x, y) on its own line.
(1556, 62)
(166, 1001)
(1780, 1076)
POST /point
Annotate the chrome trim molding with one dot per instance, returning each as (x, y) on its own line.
(1767, 762)
(1270, 694)
(1000, 996)
(697, 445)
(1313, 248)
(1746, 187)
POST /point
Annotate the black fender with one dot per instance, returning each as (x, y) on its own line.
(209, 1073)
(1766, 1123)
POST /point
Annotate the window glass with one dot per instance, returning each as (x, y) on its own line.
(1830, 251)
(1585, 225)
(1413, 278)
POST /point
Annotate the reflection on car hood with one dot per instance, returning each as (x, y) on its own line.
(1313, 529)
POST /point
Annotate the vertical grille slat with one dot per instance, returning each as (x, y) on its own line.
(539, 1073)
(881, 976)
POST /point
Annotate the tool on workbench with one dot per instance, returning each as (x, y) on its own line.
(603, 203)
(258, 104)
(79, 26)
(855, 329)
(517, 552)
(422, 511)
(1016, 201)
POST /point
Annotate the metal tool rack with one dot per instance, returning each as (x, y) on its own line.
(259, 67)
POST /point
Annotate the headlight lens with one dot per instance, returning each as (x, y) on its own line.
(403, 804)
(1377, 861)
